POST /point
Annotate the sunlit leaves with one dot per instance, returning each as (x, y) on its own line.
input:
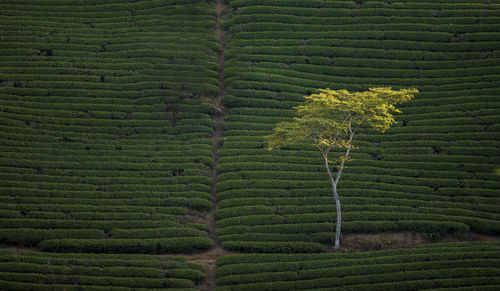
(330, 117)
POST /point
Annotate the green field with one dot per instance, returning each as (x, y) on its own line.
(104, 134)
(132, 144)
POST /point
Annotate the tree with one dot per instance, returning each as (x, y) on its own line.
(330, 120)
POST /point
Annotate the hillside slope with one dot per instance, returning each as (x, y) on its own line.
(104, 135)
(136, 127)
(432, 173)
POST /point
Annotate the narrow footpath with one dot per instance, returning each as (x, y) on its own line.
(219, 119)
(209, 257)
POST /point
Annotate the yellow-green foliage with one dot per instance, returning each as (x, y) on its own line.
(330, 116)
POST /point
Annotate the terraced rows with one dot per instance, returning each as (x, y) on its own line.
(48, 271)
(433, 173)
(104, 124)
(105, 143)
(452, 266)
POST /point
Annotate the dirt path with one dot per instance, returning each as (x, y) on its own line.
(209, 257)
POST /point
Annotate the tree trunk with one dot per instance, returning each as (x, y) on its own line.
(337, 203)
(339, 216)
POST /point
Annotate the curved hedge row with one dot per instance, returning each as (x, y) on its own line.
(446, 265)
(52, 271)
(103, 124)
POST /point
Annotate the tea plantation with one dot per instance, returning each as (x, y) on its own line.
(104, 140)
(133, 157)
(433, 173)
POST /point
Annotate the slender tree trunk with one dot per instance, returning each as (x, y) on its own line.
(337, 203)
(339, 216)
(334, 186)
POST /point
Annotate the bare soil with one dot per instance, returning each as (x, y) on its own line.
(397, 240)
(18, 249)
(208, 259)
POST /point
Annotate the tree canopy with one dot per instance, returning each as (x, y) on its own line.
(330, 118)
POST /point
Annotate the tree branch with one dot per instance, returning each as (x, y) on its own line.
(349, 146)
(338, 132)
(325, 158)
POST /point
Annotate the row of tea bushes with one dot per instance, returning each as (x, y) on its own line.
(457, 266)
(29, 270)
(434, 172)
(104, 128)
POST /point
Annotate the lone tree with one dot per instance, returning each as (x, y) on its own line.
(330, 119)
